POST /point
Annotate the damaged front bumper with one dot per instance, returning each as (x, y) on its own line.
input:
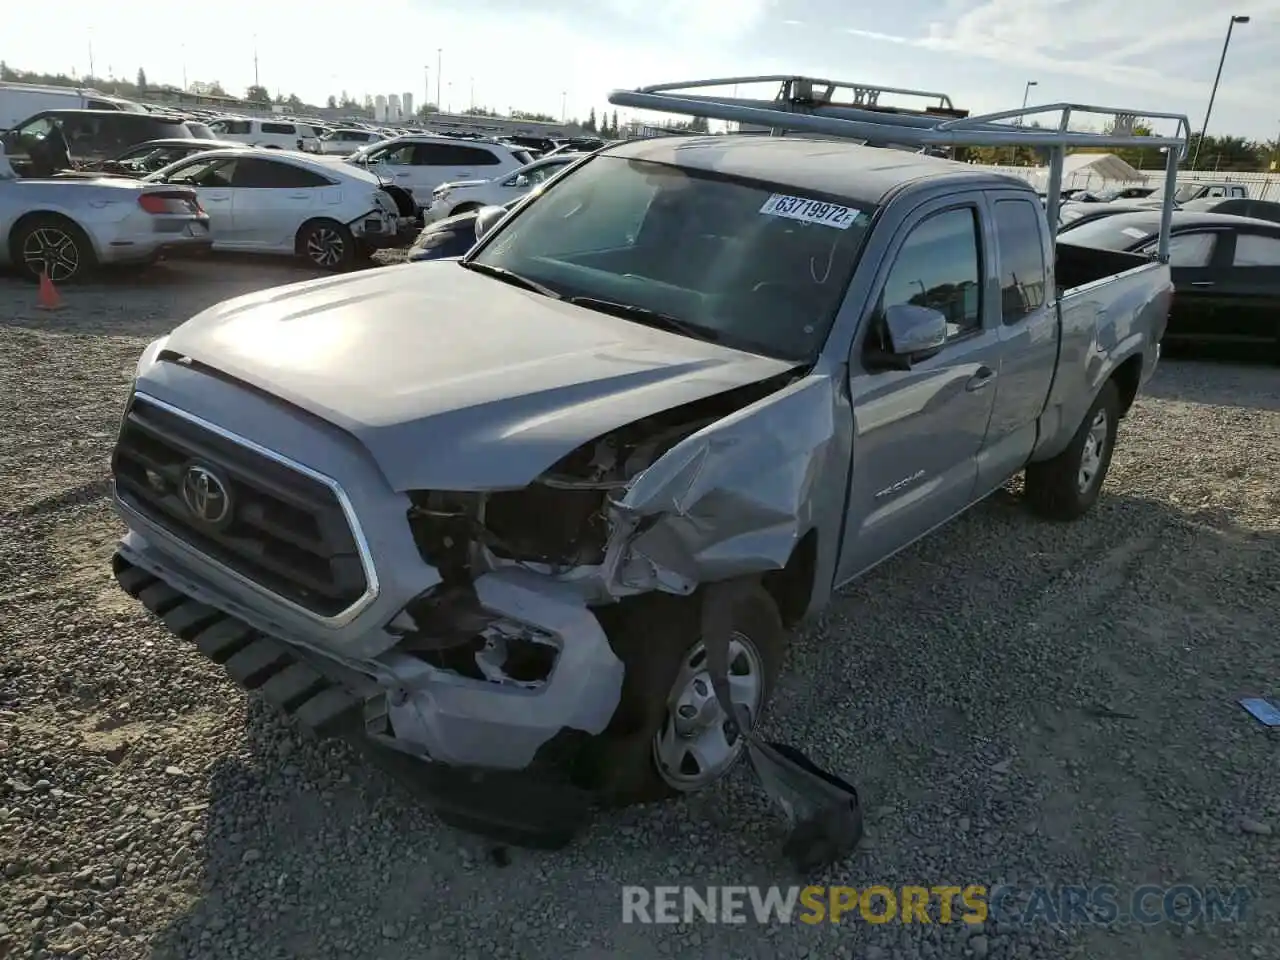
(402, 700)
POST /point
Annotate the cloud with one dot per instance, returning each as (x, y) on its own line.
(1089, 39)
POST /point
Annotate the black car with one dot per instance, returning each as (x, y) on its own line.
(1236, 206)
(56, 140)
(1226, 271)
(1073, 215)
(450, 237)
(151, 156)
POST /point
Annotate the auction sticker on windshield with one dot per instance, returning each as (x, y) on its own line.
(810, 211)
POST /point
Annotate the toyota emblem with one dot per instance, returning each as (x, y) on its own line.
(205, 495)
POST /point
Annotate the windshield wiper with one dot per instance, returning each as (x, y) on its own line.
(653, 318)
(511, 277)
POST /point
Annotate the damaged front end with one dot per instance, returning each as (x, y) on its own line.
(721, 488)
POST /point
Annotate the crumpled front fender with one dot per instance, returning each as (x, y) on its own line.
(735, 497)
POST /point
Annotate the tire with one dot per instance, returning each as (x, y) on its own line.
(657, 638)
(54, 243)
(1066, 487)
(327, 245)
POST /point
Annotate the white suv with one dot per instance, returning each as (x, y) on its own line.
(279, 134)
(449, 199)
(420, 164)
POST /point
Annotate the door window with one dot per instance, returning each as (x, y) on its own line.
(268, 174)
(1022, 267)
(453, 155)
(1189, 250)
(1256, 250)
(940, 266)
(234, 127)
(402, 155)
(204, 173)
(287, 129)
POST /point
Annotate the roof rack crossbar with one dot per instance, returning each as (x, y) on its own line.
(808, 105)
(821, 115)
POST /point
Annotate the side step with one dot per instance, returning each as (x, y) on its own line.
(254, 661)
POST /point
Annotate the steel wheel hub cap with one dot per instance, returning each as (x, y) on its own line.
(325, 247)
(693, 748)
(51, 252)
(1095, 442)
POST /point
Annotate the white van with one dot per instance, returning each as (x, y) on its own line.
(18, 101)
(277, 134)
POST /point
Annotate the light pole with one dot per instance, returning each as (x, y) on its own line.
(439, 54)
(1026, 95)
(1214, 93)
(564, 106)
(473, 93)
(426, 93)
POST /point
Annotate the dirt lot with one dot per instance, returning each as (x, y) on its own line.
(1019, 703)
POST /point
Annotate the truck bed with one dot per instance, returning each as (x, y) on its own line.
(1078, 266)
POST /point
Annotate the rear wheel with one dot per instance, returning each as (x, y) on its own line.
(327, 244)
(54, 247)
(1066, 487)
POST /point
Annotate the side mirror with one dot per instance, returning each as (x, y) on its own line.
(914, 333)
(487, 218)
(522, 181)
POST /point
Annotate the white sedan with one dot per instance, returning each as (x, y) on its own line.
(291, 203)
(450, 199)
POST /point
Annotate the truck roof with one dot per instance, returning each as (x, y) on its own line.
(862, 174)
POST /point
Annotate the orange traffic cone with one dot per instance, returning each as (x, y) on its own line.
(48, 298)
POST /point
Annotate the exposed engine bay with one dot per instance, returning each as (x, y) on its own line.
(559, 526)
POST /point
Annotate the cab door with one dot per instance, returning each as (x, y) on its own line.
(918, 433)
(212, 182)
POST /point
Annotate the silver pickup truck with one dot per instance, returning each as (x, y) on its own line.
(475, 503)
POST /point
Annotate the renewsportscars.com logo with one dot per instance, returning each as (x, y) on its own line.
(1099, 905)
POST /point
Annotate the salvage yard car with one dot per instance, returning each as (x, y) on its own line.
(477, 504)
(65, 229)
(1226, 272)
(450, 199)
(291, 203)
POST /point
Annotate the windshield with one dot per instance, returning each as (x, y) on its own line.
(1117, 232)
(760, 267)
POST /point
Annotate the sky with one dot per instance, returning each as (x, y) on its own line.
(566, 55)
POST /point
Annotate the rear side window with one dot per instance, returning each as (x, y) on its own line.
(940, 267)
(1257, 250)
(285, 128)
(453, 155)
(231, 126)
(1022, 266)
(268, 174)
(102, 105)
(149, 128)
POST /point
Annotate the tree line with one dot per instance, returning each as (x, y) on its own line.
(1228, 154)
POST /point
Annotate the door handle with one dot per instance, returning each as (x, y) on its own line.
(981, 379)
(297, 196)
(464, 173)
(215, 199)
(1202, 283)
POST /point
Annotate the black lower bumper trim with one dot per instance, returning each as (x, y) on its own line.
(520, 808)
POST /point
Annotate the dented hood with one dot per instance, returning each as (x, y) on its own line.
(453, 380)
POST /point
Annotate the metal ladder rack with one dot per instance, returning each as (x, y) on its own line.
(817, 106)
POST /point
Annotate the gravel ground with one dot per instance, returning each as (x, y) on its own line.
(1018, 702)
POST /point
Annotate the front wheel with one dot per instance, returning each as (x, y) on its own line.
(669, 735)
(1067, 486)
(328, 245)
